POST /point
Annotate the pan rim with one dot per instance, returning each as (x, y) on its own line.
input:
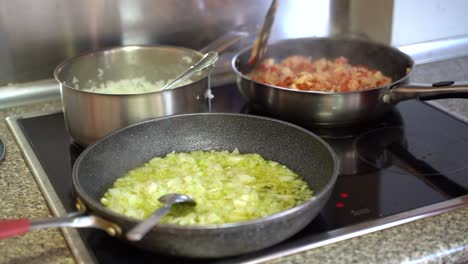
(325, 190)
(388, 86)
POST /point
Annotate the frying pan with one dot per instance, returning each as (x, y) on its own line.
(338, 108)
(102, 163)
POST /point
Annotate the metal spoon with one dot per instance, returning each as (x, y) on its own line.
(208, 60)
(140, 230)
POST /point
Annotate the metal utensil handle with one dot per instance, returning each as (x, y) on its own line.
(140, 230)
(224, 42)
(438, 90)
(16, 227)
(208, 60)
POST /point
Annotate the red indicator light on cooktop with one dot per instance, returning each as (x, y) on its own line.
(344, 195)
(339, 205)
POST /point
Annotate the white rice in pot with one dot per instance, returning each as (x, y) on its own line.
(130, 86)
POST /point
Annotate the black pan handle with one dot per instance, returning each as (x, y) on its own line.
(2, 150)
(438, 90)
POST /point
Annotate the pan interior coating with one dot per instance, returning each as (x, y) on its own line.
(301, 151)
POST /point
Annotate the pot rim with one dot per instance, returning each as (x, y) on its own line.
(60, 67)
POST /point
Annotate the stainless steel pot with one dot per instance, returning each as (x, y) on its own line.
(338, 108)
(97, 168)
(91, 115)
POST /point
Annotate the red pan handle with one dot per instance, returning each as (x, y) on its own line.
(14, 227)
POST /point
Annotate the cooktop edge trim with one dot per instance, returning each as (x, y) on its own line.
(75, 243)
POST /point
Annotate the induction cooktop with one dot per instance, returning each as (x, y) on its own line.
(408, 165)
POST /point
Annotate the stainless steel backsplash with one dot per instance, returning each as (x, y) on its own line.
(37, 35)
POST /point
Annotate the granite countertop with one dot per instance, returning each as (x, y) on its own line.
(21, 197)
(437, 239)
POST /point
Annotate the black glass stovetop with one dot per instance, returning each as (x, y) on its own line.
(414, 157)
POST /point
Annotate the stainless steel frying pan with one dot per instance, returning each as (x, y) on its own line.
(338, 108)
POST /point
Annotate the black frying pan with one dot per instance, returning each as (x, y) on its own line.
(101, 164)
(338, 108)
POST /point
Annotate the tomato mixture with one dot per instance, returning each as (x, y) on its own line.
(301, 73)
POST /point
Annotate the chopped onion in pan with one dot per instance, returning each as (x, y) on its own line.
(227, 186)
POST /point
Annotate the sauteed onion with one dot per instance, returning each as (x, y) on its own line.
(228, 187)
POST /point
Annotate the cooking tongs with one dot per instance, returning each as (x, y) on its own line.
(260, 43)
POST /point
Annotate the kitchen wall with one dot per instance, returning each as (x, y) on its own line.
(37, 35)
(421, 20)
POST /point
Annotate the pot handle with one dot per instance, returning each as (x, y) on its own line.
(438, 90)
(224, 42)
(16, 227)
